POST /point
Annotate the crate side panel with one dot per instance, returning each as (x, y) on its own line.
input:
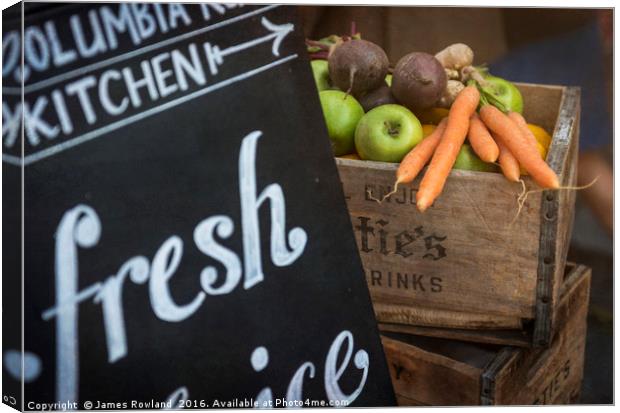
(516, 338)
(462, 253)
(557, 210)
(429, 378)
(429, 317)
(566, 202)
(547, 376)
(541, 104)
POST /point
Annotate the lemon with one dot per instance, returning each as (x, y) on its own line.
(428, 129)
(354, 156)
(542, 150)
(432, 116)
(541, 136)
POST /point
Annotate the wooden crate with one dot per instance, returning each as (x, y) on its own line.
(461, 266)
(434, 371)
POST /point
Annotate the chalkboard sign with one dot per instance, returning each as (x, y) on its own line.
(185, 236)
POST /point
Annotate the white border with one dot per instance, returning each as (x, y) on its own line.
(483, 3)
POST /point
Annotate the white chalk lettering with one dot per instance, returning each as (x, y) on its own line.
(104, 95)
(131, 92)
(165, 264)
(10, 52)
(97, 45)
(118, 24)
(34, 123)
(63, 114)
(334, 373)
(11, 122)
(206, 14)
(161, 75)
(147, 81)
(295, 387)
(250, 204)
(223, 226)
(182, 66)
(177, 11)
(176, 399)
(36, 52)
(80, 227)
(59, 56)
(161, 18)
(218, 8)
(80, 88)
(111, 297)
(145, 22)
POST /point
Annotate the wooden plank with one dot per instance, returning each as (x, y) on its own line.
(566, 208)
(434, 379)
(427, 317)
(548, 376)
(406, 401)
(556, 216)
(517, 338)
(542, 103)
(505, 356)
(465, 238)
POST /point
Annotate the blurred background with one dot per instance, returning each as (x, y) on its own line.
(536, 45)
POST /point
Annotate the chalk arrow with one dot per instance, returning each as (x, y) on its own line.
(280, 31)
(215, 56)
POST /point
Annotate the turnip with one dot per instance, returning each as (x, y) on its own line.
(357, 66)
(453, 88)
(456, 56)
(418, 81)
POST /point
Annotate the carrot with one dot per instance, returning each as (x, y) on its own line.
(447, 150)
(508, 163)
(481, 140)
(519, 120)
(418, 157)
(511, 136)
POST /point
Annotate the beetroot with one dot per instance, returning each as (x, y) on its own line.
(418, 81)
(358, 66)
(380, 96)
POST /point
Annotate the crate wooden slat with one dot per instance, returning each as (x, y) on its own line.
(434, 371)
(461, 265)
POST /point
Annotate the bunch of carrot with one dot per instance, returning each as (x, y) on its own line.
(493, 135)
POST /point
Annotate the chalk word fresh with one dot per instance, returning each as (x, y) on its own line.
(80, 227)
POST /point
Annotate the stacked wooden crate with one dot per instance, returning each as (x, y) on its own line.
(476, 268)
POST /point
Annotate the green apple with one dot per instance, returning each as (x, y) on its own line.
(503, 92)
(342, 113)
(388, 79)
(320, 72)
(387, 133)
(468, 160)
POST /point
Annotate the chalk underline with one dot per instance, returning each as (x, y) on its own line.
(9, 90)
(15, 160)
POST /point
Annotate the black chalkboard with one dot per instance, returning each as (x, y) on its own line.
(185, 232)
